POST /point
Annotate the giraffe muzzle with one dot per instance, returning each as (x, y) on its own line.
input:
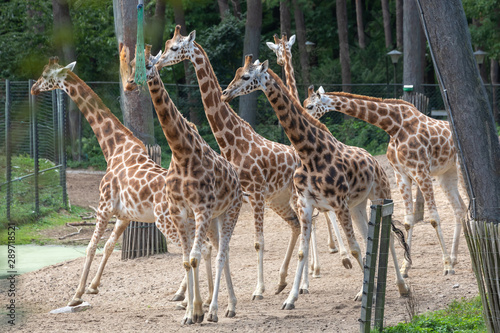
(226, 97)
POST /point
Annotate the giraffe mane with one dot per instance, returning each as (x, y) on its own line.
(193, 126)
(102, 106)
(297, 105)
(369, 98)
(230, 109)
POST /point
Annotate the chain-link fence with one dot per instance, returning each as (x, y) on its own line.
(32, 154)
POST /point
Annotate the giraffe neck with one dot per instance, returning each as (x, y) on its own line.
(385, 114)
(111, 134)
(305, 132)
(290, 75)
(223, 121)
(180, 134)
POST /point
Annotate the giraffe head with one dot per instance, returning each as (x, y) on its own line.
(316, 103)
(151, 69)
(177, 49)
(277, 47)
(52, 77)
(250, 77)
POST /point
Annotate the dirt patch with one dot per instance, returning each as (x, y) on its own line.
(135, 294)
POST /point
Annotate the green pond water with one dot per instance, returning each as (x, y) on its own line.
(32, 257)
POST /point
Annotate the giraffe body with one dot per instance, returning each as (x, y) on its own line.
(133, 183)
(283, 50)
(199, 185)
(420, 148)
(265, 168)
(332, 176)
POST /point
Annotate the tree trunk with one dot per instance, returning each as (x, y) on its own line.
(399, 24)
(414, 51)
(248, 103)
(387, 24)
(157, 26)
(65, 44)
(236, 9)
(494, 71)
(223, 8)
(300, 28)
(135, 105)
(450, 44)
(285, 18)
(345, 61)
(359, 20)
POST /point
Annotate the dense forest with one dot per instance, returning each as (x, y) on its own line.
(338, 42)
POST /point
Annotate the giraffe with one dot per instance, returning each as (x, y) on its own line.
(283, 50)
(420, 147)
(265, 168)
(332, 176)
(200, 184)
(133, 183)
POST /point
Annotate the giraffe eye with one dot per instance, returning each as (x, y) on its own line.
(174, 48)
(246, 77)
(310, 107)
(148, 67)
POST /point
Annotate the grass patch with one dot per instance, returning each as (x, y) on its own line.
(31, 233)
(22, 209)
(463, 316)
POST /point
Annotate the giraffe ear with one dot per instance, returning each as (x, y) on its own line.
(291, 41)
(321, 90)
(264, 66)
(272, 46)
(157, 57)
(192, 36)
(70, 66)
(310, 90)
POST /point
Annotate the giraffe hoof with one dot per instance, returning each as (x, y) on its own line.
(213, 318)
(347, 263)
(92, 291)
(230, 314)
(198, 318)
(303, 291)
(177, 298)
(280, 288)
(257, 297)
(187, 321)
(450, 271)
(404, 275)
(180, 306)
(288, 306)
(75, 302)
(333, 250)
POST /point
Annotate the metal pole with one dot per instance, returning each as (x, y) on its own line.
(63, 125)
(8, 149)
(395, 65)
(35, 147)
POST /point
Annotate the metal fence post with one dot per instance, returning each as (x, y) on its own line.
(35, 146)
(8, 150)
(62, 128)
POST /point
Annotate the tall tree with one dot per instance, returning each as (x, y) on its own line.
(157, 26)
(135, 105)
(399, 24)
(223, 8)
(414, 50)
(65, 44)
(285, 18)
(360, 23)
(386, 14)
(345, 61)
(248, 103)
(495, 80)
(449, 39)
(300, 27)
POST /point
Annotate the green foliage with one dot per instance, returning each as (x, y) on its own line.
(485, 25)
(464, 316)
(23, 199)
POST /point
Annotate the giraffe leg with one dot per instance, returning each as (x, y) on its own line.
(404, 184)
(315, 266)
(424, 181)
(101, 223)
(332, 247)
(118, 230)
(332, 223)
(400, 282)
(359, 218)
(227, 222)
(305, 216)
(285, 207)
(257, 203)
(449, 184)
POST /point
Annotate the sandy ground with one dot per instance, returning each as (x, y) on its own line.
(135, 294)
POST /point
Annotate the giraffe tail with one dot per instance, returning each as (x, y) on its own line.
(401, 238)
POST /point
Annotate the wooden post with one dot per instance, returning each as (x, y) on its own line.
(379, 229)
